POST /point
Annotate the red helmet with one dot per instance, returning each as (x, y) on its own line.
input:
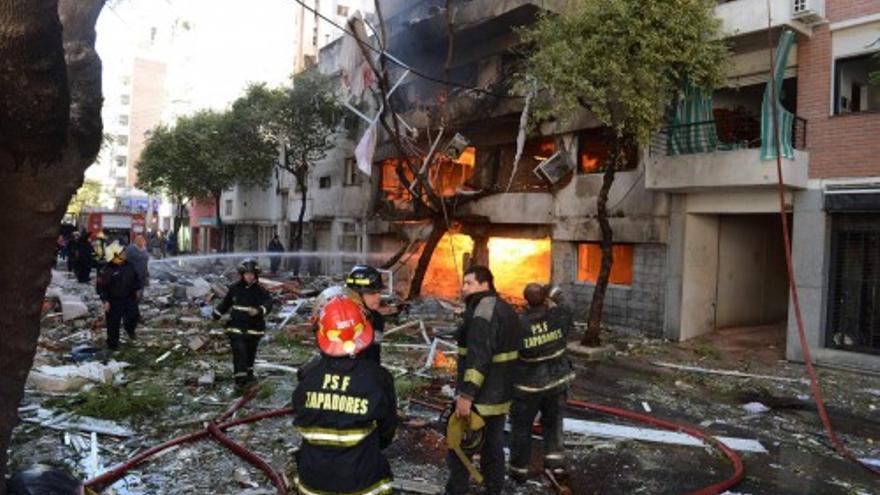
(343, 329)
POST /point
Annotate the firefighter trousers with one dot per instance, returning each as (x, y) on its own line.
(522, 416)
(491, 461)
(122, 311)
(244, 353)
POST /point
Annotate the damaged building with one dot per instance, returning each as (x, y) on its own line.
(695, 215)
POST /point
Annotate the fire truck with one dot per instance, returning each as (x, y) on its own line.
(116, 225)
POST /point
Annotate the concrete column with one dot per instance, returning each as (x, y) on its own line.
(699, 275)
(674, 267)
(480, 255)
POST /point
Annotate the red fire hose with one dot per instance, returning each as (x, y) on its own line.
(738, 470)
(214, 429)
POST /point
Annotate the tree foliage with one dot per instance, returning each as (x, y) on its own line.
(302, 119)
(625, 61)
(87, 196)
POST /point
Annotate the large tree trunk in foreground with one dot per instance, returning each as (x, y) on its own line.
(51, 93)
(597, 305)
(437, 230)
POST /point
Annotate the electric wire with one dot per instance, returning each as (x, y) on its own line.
(405, 65)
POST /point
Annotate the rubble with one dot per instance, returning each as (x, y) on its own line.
(183, 356)
(71, 378)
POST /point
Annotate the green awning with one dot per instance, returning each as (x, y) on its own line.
(786, 118)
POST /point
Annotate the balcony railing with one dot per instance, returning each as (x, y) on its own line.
(724, 133)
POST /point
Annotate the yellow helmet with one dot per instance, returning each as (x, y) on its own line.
(115, 252)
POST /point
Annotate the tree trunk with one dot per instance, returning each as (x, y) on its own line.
(396, 256)
(298, 233)
(415, 287)
(55, 111)
(597, 305)
(178, 217)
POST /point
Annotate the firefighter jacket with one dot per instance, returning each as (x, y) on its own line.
(346, 412)
(488, 341)
(240, 298)
(118, 282)
(543, 367)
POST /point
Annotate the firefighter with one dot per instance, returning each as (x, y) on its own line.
(346, 408)
(44, 480)
(99, 249)
(541, 381)
(118, 285)
(82, 254)
(366, 282)
(249, 303)
(487, 352)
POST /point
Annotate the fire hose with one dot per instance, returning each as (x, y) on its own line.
(720, 487)
(214, 429)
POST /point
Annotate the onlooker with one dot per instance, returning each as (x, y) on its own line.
(275, 246)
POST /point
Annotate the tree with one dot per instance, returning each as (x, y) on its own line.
(624, 61)
(50, 132)
(302, 119)
(203, 155)
(88, 195)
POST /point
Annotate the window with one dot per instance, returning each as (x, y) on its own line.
(121, 161)
(342, 11)
(593, 153)
(126, 80)
(123, 120)
(125, 99)
(121, 182)
(352, 175)
(853, 91)
(228, 208)
(324, 182)
(854, 299)
(590, 261)
(122, 139)
(350, 237)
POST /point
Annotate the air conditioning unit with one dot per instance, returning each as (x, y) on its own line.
(554, 169)
(808, 11)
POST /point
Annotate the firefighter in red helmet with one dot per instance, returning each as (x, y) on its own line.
(346, 407)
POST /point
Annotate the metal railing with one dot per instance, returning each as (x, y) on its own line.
(724, 133)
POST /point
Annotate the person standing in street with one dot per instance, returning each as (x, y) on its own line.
(118, 285)
(542, 377)
(136, 253)
(83, 255)
(346, 408)
(99, 250)
(366, 284)
(249, 303)
(488, 341)
(275, 246)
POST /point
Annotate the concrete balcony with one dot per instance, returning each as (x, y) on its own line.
(513, 208)
(722, 155)
(742, 17)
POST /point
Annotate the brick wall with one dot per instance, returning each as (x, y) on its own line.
(844, 145)
(638, 307)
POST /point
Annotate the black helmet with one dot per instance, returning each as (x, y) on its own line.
(249, 265)
(43, 480)
(364, 278)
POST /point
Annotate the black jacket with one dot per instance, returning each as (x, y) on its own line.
(346, 412)
(488, 342)
(543, 367)
(240, 297)
(377, 321)
(118, 282)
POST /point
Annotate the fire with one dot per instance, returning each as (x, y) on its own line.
(517, 262)
(443, 278)
(514, 262)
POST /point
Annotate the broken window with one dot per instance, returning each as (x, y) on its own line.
(122, 139)
(854, 300)
(324, 182)
(228, 211)
(593, 149)
(121, 161)
(534, 153)
(446, 175)
(125, 99)
(123, 120)
(590, 262)
(853, 91)
(342, 11)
